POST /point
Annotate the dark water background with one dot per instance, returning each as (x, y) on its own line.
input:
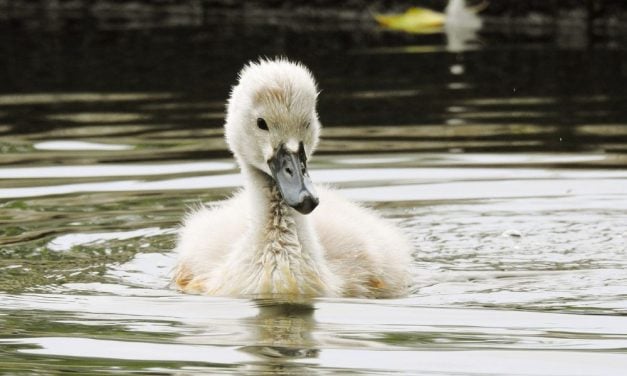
(570, 90)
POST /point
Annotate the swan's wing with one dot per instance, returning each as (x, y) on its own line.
(363, 248)
(206, 236)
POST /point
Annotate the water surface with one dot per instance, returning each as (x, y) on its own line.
(504, 161)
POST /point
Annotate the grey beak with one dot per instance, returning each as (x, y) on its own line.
(289, 170)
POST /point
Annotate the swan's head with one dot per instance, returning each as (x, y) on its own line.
(272, 126)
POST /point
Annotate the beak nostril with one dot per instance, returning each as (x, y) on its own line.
(289, 171)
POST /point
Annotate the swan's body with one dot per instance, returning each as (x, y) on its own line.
(258, 243)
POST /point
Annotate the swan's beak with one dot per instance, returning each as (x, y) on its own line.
(289, 170)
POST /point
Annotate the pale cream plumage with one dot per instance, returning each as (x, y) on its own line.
(255, 244)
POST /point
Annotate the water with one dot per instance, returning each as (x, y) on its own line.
(503, 159)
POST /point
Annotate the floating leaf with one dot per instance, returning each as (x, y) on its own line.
(414, 20)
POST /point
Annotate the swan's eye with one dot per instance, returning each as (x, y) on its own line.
(262, 124)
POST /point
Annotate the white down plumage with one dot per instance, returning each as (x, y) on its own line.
(280, 235)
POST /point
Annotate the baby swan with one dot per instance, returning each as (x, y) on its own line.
(268, 240)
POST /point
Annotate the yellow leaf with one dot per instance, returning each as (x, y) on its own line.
(414, 20)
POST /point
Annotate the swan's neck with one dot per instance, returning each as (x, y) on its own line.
(286, 255)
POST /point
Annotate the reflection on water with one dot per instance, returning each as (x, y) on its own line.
(501, 155)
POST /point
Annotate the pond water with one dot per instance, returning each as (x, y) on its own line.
(502, 156)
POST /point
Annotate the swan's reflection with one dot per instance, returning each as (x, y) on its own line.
(460, 39)
(282, 331)
(462, 25)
